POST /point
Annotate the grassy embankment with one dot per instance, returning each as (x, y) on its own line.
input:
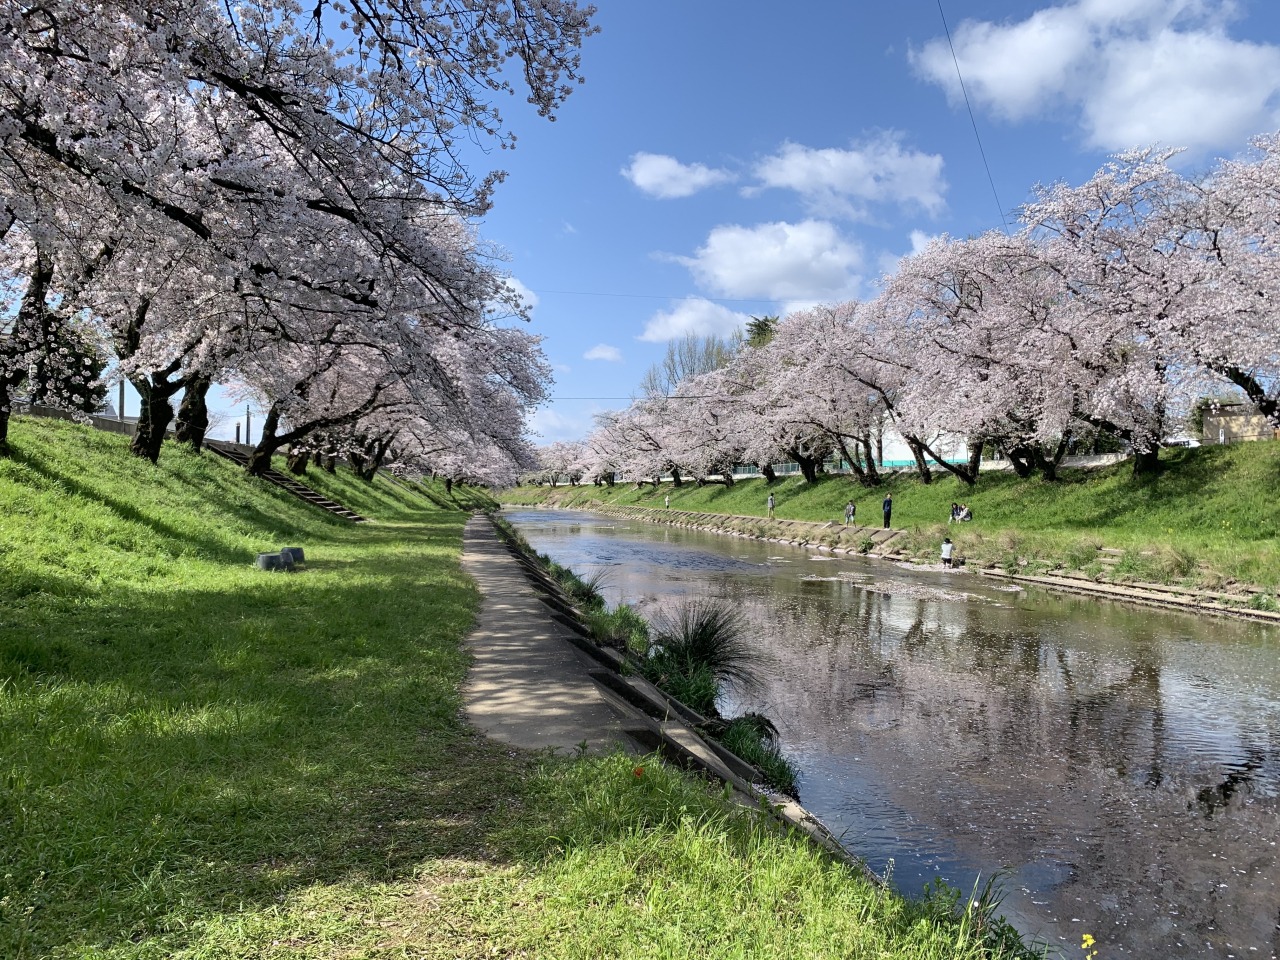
(1210, 516)
(198, 759)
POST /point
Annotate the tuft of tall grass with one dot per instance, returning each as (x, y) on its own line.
(621, 627)
(754, 738)
(708, 635)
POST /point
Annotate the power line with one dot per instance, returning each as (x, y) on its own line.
(969, 107)
(658, 296)
(682, 396)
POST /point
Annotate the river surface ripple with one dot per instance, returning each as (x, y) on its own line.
(1119, 766)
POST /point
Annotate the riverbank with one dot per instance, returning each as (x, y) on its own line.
(1208, 521)
(204, 759)
(880, 544)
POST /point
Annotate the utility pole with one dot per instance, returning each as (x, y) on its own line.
(246, 424)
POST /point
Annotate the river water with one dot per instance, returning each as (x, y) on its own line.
(1117, 768)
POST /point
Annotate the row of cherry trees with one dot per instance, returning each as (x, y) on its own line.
(197, 192)
(1114, 306)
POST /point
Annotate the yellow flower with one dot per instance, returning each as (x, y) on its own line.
(1087, 942)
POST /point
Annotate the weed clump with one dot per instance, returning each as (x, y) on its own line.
(696, 651)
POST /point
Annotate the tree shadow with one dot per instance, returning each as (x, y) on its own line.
(133, 514)
(238, 743)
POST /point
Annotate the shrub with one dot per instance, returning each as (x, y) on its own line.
(706, 633)
(620, 627)
(754, 738)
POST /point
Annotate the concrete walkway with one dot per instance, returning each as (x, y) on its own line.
(528, 686)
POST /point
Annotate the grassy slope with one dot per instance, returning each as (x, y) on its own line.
(1210, 514)
(199, 759)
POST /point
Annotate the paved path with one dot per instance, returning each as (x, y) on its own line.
(528, 686)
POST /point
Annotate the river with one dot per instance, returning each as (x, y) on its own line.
(1117, 768)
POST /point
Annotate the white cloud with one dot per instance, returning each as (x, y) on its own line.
(527, 296)
(889, 262)
(920, 240)
(806, 262)
(602, 351)
(552, 426)
(1135, 72)
(1150, 95)
(694, 315)
(667, 178)
(845, 182)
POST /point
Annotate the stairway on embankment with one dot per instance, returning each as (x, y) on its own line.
(286, 483)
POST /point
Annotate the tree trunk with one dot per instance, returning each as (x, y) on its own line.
(268, 444)
(1146, 462)
(329, 464)
(1019, 457)
(872, 471)
(609, 478)
(4, 420)
(32, 314)
(975, 459)
(1048, 466)
(922, 463)
(154, 415)
(193, 412)
(766, 470)
(298, 463)
(854, 466)
(728, 478)
(6, 407)
(675, 477)
(808, 465)
(448, 485)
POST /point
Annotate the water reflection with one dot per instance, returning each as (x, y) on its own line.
(1121, 764)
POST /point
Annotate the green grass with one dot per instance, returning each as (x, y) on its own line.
(1209, 516)
(199, 759)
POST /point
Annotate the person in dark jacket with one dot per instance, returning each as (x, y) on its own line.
(888, 509)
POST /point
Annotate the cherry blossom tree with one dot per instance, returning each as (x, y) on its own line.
(1128, 274)
(1230, 327)
(225, 134)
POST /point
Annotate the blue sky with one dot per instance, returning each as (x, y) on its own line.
(729, 158)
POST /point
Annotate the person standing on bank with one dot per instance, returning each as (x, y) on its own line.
(887, 506)
(850, 511)
(667, 500)
(947, 546)
(769, 504)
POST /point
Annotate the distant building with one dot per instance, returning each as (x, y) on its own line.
(1237, 422)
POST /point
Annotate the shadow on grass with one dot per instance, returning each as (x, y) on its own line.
(238, 742)
(281, 526)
